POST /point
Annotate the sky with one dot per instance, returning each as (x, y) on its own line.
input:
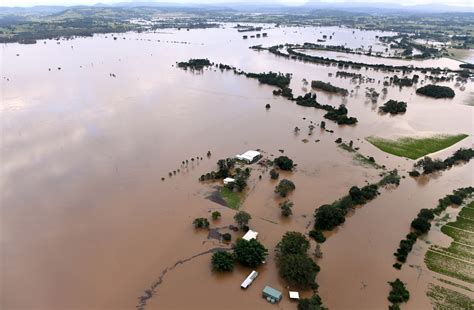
(466, 3)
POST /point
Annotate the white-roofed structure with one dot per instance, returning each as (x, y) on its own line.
(249, 235)
(228, 180)
(249, 156)
(249, 279)
(294, 295)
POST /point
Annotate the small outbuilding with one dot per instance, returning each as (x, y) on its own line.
(249, 156)
(228, 180)
(249, 279)
(294, 295)
(271, 294)
(249, 235)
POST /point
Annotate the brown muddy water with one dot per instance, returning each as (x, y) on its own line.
(87, 222)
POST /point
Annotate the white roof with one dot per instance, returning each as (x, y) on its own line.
(249, 155)
(294, 295)
(249, 279)
(228, 180)
(250, 235)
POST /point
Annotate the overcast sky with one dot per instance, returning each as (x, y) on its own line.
(465, 3)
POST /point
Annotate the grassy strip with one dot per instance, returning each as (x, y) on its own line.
(455, 284)
(444, 299)
(448, 266)
(232, 199)
(414, 148)
(459, 235)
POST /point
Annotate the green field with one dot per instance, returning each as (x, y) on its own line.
(457, 260)
(444, 299)
(414, 148)
(232, 199)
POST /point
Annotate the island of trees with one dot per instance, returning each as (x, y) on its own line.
(329, 88)
(393, 107)
(436, 91)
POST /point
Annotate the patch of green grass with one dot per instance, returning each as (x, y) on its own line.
(448, 266)
(346, 147)
(414, 148)
(233, 199)
(455, 284)
(444, 299)
(458, 235)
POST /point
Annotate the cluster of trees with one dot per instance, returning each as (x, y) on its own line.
(312, 303)
(436, 91)
(247, 253)
(345, 74)
(240, 177)
(242, 219)
(329, 88)
(467, 66)
(194, 64)
(224, 167)
(294, 264)
(279, 80)
(286, 208)
(405, 81)
(201, 222)
(394, 107)
(284, 163)
(285, 187)
(428, 165)
(421, 224)
(327, 217)
(293, 53)
(398, 294)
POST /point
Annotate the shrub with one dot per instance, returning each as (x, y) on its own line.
(227, 237)
(222, 261)
(242, 218)
(284, 187)
(397, 266)
(250, 253)
(201, 222)
(215, 215)
(274, 174)
(285, 207)
(414, 173)
(284, 163)
(317, 235)
(398, 293)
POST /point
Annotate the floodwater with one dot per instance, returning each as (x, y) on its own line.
(87, 222)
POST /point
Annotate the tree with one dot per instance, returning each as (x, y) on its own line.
(398, 293)
(313, 303)
(284, 163)
(274, 174)
(201, 222)
(421, 225)
(250, 253)
(436, 91)
(215, 215)
(285, 207)
(227, 237)
(222, 261)
(327, 217)
(292, 242)
(298, 270)
(394, 107)
(284, 187)
(317, 235)
(426, 214)
(242, 218)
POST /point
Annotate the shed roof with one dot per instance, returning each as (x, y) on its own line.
(270, 291)
(250, 235)
(294, 295)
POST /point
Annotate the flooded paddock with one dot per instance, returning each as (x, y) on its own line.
(91, 125)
